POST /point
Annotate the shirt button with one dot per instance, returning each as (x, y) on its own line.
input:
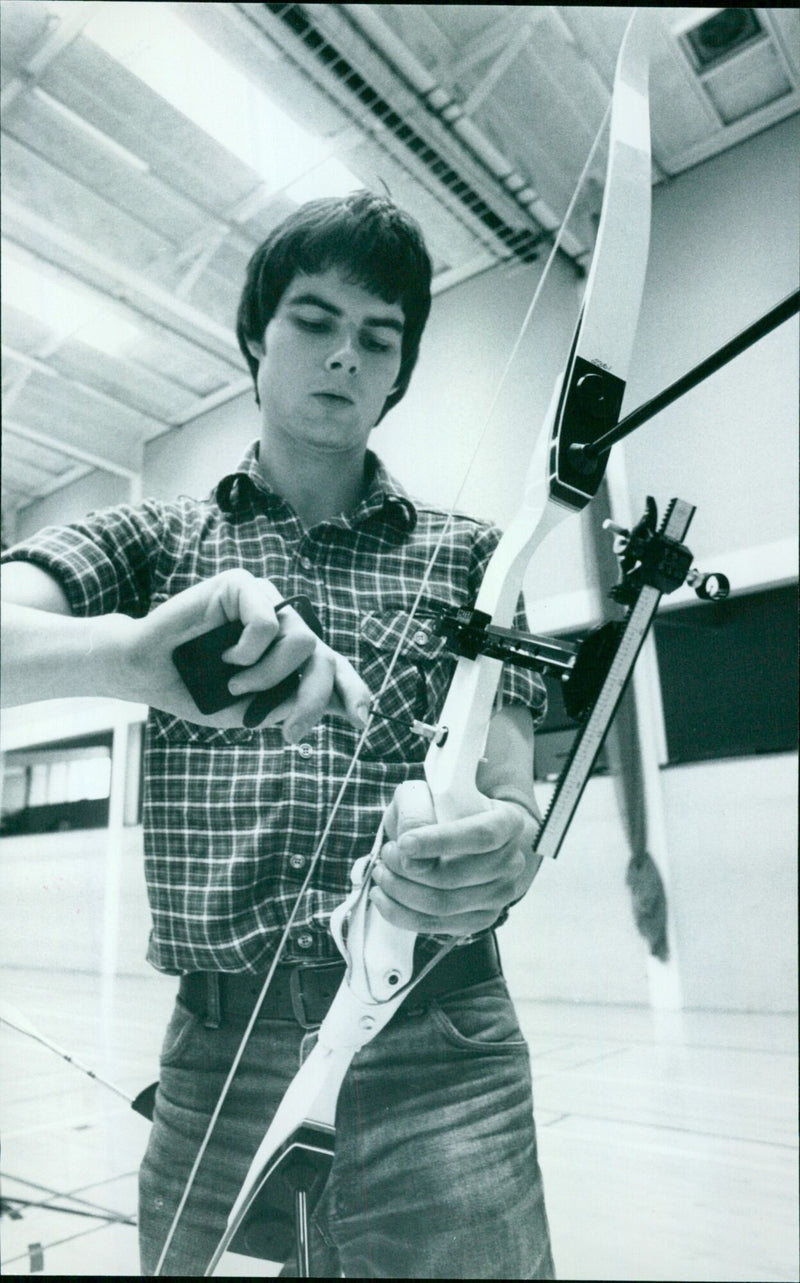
(306, 563)
(305, 750)
(305, 941)
(422, 638)
(297, 861)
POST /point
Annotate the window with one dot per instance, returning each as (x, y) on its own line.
(729, 676)
(53, 787)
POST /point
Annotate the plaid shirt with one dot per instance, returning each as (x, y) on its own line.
(232, 817)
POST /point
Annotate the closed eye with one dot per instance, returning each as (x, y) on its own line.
(374, 345)
(369, 337)
(318, 327)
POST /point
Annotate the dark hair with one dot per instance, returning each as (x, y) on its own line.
(377, 246)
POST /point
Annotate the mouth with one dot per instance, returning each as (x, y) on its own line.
(333, 398)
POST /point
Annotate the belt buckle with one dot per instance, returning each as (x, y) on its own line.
(296, 997)
(296, 994)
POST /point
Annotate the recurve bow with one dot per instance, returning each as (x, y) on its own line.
(585, 403)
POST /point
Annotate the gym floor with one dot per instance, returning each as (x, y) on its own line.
(661, 1158)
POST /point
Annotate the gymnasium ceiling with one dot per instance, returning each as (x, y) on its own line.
(148, 148)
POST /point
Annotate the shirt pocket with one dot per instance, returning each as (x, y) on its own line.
(415, 687)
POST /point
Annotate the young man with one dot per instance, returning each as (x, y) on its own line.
(435, 1172)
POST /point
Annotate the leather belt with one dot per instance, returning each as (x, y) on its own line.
(303, 991)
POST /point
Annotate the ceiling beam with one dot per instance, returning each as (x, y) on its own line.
(60, 34)
(489, 43)
(214, 399)
(495, 72)
(125, 460)
(24, 475)
(41, 367)
(77, 473)
(129, 287)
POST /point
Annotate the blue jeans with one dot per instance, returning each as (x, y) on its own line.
(435, 1173)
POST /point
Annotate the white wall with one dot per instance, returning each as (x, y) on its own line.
(193, 459)
(57, 885)
(724, 249)
(96, 490)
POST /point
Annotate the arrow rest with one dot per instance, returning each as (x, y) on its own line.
(471, 633)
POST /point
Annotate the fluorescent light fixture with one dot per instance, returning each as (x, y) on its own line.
(69, 309)
(151, 42)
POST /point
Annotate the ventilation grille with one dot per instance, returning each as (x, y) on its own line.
(523, 244)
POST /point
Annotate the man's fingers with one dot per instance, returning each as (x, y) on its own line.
(316, 693)
(312, 698)
(264, 627)
(329, 682)
(488, 831)
(446, 896)
(330, 685)
(274, 644)
(459, 924)
(457, 871)
(284, 656)
(350, 693)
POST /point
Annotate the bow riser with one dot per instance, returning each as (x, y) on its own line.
(451, 768)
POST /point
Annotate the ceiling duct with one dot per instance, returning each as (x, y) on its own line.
(723, 34)
(744, 62)
(342, 44)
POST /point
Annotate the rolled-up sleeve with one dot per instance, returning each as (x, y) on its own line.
(105, 562)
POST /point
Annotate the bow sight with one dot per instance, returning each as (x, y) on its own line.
(647, 558)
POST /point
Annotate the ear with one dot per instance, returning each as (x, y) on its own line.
(256, 350)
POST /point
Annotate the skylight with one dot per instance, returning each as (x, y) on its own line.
(70, 310)
(152, 43)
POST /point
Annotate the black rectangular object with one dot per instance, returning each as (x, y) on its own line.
(205, 674)
(729, 676)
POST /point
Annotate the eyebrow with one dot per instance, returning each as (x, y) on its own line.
(314, 300)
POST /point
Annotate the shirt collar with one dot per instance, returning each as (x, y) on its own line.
(385, 499)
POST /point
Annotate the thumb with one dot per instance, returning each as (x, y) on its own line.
(411, 808)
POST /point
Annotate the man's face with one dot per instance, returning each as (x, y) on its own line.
(330, 357)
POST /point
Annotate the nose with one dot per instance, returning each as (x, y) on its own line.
(345, 357)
